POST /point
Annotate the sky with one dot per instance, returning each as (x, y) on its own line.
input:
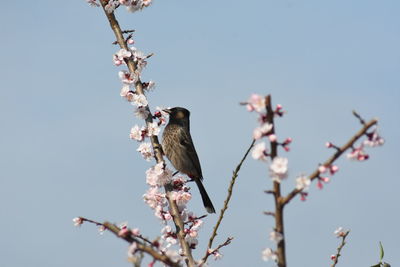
(66, 152)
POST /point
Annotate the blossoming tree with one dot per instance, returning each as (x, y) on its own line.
(168, 194)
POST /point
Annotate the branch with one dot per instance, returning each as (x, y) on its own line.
(141, 247)
(334, 157)
(134, 239)
(226, 202)
(154, 139)
(278, 214)
(339, 249)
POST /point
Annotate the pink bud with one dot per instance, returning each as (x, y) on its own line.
(333, 257)
(328, 144)
(319, 184)
(325, 179)
(288, 140)
(250, 107)
(130, 41)
(333, 169)
(286, 148)
(279, 106)
(124, 232)
(322, 169)
(135, 231)
(272, 137)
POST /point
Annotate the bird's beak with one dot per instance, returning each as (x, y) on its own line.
(167, 110)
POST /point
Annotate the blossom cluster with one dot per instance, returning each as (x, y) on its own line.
(131, 5)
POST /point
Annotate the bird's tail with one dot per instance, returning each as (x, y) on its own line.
(204, 196)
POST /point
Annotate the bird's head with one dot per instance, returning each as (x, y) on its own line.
(178, 115)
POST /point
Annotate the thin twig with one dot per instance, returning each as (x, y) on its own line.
(154, 139)
(226, 202)
(141, 247)
(333, 158)
(339, 249)
(130, 238)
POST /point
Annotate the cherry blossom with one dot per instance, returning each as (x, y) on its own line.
(158, 175)
(358, 153)
(146, 151)
(137, 133)
(339, 232)
(139, 100)
(262, 130)
(268, 254)
(259, 152)
(303, 182)
(374, 139)
(275, 236)
(153, 129)
(256, 102)
(78, 221)
(278, 169)
(142, 113)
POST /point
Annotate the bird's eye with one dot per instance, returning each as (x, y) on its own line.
(180, 115)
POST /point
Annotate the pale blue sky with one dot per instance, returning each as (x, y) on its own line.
(65, 150)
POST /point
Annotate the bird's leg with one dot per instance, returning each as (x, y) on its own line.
(175, 173)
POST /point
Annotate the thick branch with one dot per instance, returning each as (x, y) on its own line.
(226, 202)
(334, 157)
(279, 226)
(154, 140)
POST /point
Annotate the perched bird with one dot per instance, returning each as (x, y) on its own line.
(178, 147)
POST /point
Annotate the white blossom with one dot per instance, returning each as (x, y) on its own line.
(278, 169)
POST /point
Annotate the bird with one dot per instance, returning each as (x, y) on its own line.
(178, 147)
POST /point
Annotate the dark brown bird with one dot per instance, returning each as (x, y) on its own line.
(179, 149)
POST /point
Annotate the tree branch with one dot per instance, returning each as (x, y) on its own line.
(226, 202)
(334, 157)
(278, 214)
(154, 139)
(339, 249)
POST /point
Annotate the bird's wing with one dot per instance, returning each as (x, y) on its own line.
(186, 141)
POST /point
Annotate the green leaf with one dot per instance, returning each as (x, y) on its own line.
(382, 252)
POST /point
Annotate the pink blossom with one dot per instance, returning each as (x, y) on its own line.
(158, 175)
(126, 77)
(181, 197)
(322, 169)
(358, 154)
(275, 236)
(256, 102)
(78, 221)
(154, 198)
(333, 257)
(272, 138)
(142, 113)
(333, 169)
(303, 182)
(124, 232)
(374, 139)
(339, 232)
(259, 152)
(153, 129)
(126, 88)
(269, 254)
(137, 133)
(139, 100)
(328, 144)
(146, 151)
(278, 169)
(262, 130)
(217, 255)
(120, 56)
(101, 229)
(135, 231)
